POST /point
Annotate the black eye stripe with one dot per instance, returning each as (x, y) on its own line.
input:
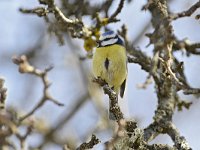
(119, 41)
(107, 39)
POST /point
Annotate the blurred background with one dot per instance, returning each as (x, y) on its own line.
(71, 77)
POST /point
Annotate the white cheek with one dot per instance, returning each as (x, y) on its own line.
(106, 37)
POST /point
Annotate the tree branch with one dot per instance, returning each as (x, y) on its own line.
(112, 18)
(94, 141)
(114, 107)
(185, 44)
(186, 13)
(25, 67)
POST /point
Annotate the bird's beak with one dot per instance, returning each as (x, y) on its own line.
(98, 42)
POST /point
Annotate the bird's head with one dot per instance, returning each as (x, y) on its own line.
(109, 38)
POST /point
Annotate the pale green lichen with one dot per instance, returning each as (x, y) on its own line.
(128, 142)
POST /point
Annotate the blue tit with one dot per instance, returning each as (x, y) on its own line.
(110, 61)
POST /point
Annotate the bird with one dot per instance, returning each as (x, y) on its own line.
(110, 62)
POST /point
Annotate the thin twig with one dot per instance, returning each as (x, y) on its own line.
(39, 11)
(25, 67)
(186, 13)
(118, 10)
(185, 44)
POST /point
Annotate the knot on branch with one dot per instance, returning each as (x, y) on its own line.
(22, 62)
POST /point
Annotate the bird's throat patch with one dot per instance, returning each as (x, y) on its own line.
(106, 63)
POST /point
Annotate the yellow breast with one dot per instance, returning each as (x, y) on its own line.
(109, 63)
